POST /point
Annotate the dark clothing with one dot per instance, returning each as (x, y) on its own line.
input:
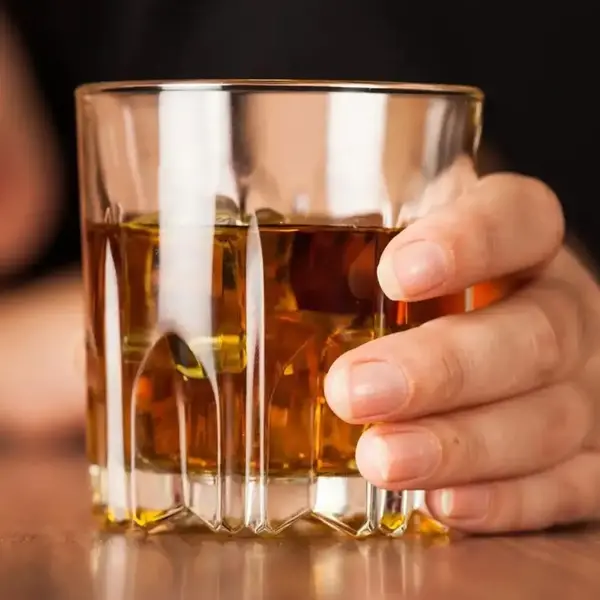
(540, 115)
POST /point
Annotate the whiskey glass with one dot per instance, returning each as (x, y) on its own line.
(231, 232)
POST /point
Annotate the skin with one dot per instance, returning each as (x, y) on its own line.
(40, 394)
(493, 412)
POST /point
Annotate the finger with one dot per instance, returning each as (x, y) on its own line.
(443, 190)
(531, 339)
(503, 224)
(567, 493)
(509, 439)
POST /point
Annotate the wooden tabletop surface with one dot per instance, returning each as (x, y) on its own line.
(49, 551)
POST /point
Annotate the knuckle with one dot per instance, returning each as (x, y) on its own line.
(573, 323)
(566, 422)
(544, 201)
(475, 457)
(447, 362)
(580, 413)
(536, 201)
(558, 326)
(489, 241)
(481, 249)
(503, 509)
(543, 341)
(545, 209)
(593, 508)
(569, 503)
(508, 506)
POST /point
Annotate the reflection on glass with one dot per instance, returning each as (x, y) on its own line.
(231, 240)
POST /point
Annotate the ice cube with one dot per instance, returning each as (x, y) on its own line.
(267, 216)
(227, 211)
(366, 220)
(325, 220)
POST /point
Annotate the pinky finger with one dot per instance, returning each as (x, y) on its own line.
(567, 493)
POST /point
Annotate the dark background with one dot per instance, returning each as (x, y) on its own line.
(536, 67)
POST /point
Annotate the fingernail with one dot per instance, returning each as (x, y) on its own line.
(408, 456)
(376, 389)
(419, 267)
(467, 503)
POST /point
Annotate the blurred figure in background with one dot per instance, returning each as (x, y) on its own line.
(41, 307)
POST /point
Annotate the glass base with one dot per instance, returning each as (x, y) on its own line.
(239, 506)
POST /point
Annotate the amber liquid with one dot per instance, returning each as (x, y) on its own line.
(312, 294)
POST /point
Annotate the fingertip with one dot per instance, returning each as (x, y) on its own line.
(335, 389)
(414, 270)
(372, 459)
(388, 281)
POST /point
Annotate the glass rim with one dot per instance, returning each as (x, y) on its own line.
(281, 85)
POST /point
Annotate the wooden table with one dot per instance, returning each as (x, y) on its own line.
(48, 551)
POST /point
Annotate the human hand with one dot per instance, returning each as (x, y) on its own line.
(42, 384)
(493, 412)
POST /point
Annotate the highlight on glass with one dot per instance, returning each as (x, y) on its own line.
(231, 235)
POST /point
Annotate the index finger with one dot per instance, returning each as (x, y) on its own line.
(503, 224)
